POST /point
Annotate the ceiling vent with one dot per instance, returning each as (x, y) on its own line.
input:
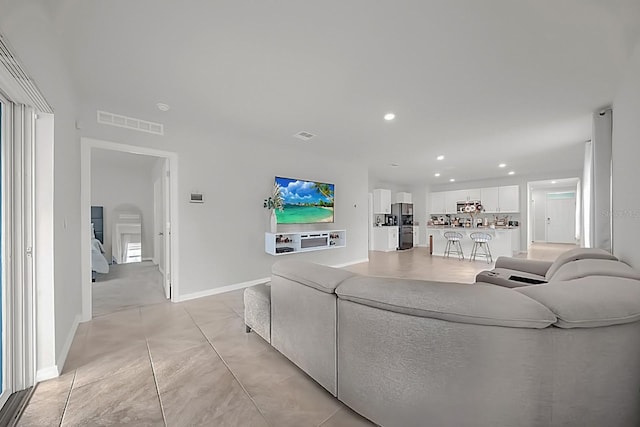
(117, 120)
(305, 136)
(21, 88)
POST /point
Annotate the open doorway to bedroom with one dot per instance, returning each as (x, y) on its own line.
(129, 196)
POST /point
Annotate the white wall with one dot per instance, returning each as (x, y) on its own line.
(116, 184)
(33, 37)
(625, 156)
(222, 240)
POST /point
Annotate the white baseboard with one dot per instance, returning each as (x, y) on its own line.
(346, 264)
(47, 373)
(54, 371)
(147, 259)
(222, 289)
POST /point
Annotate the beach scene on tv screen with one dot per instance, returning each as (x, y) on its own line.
(305, 201)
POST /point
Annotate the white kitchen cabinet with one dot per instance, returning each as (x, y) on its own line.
(472, 195)
(437, 203)
(385, 238)
(381, 201)
(451, 199)
(403, 197)
(509, 198)
(489, 197)
(416, 235)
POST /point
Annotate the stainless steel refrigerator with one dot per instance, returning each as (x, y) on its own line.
(403, 213)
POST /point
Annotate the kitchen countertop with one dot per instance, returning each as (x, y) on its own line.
(448, 227)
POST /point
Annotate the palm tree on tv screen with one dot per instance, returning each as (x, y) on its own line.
(325, 190)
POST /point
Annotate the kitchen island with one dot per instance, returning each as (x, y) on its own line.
(504, 241)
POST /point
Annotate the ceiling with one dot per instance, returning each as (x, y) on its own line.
(480, 82)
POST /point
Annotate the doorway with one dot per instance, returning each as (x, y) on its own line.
(553, 211)
(134, 228)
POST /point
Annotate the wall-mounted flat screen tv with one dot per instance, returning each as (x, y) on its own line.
(305, 202)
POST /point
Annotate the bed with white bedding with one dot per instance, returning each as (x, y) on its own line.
(99, 263)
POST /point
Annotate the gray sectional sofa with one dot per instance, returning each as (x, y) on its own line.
(421, 353)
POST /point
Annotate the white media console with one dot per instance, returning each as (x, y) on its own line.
(293, 242)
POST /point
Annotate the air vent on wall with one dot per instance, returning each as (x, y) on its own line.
(305, 136)
(24, 90)
(130, 123)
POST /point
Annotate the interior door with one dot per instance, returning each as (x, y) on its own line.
(561, 219)
(167, 230)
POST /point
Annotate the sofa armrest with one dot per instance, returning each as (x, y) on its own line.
(527, 265)
(480, 304)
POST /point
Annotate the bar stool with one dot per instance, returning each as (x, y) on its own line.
(480, 240)
(453, 244)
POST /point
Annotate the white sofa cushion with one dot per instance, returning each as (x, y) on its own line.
(480, 303)
(589, 302)
(595, 267)
(577, 254)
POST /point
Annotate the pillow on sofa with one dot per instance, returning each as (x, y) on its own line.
(595, 267)
(576, 254)
(589, 302)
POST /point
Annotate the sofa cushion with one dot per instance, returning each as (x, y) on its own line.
(589, 302)
(480, 303)
(595, 267)
(577, 254)
(317, 276)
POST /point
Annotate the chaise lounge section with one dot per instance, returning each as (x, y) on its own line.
(414, 353)
(580, 262)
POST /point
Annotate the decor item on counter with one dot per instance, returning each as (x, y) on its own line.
(305, 202)
(473, 209)
(272, 203)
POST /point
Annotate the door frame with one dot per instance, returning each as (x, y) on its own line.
(18, 234)
(86, 146)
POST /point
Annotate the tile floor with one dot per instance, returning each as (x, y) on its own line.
(191, 363)
(127, 286)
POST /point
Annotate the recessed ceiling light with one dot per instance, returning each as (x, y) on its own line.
(502, 165)
(389, 116)
(511, 172)
(553, 182)
(440, 157)
(394, 165)
(452, 180)
(436, 174)
(162, 106)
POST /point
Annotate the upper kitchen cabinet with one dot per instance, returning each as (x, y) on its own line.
(509, 198)
(471, 195)
(501, 199)
(451, 199)
(437, 203)
(381, 201)
(489, 197)
(402, 197)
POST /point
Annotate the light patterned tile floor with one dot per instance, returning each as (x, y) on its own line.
(191, 363)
